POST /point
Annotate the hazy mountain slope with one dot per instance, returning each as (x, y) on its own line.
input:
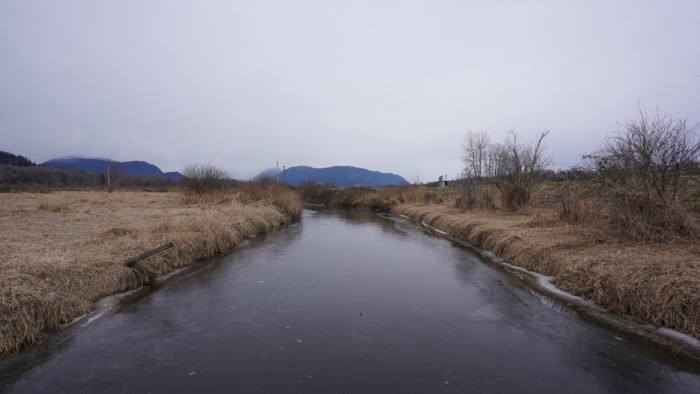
(338, 175)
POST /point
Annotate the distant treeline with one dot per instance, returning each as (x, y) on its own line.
(14, 177)
(560, 175)
(10, 159)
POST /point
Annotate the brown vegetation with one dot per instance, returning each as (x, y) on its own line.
(641, 168)
(475, 197)
(55, 206)
(64, 250)
(513, 167)
(365, 197)
(202, 178)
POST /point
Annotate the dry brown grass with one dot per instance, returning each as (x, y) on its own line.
(629, 217)
(573, 209)
(59, 258)
(56, 207)
(366, 197)
(477, 197)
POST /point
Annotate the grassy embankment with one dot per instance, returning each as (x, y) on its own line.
(62, 251)
(654, 281)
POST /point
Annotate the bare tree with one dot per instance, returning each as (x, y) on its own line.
(495, 160)
(523, 161)
(115, 176)
(475, 149)
(520, 163)
(202, 178)
(475, 154)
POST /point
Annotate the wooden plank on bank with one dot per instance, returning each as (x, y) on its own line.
(148, 253)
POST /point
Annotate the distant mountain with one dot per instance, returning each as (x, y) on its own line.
(138, 168)
(11, 159)
(338, 175)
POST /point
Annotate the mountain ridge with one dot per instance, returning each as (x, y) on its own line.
(338, 175)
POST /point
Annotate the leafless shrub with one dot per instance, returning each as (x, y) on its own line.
(471, 195)
(202, 178)
(476, 160)
(571, 207)
(642, 166)
(466, 190)
(520, 165)
(480, 163)
(513, 196)
(486, 198)
(648, 154)
(476, 147)
(645, 219)
(476, 155)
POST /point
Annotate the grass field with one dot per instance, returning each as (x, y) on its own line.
(62, 251)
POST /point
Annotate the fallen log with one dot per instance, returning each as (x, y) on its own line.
(130, 262)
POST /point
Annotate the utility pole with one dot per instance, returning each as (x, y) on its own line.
(109, 181)
(284, 174)
(277, 174)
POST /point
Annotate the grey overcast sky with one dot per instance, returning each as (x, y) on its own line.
(387, 85)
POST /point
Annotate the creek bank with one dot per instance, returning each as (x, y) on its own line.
(654, 286)
(655, 283)
(684, 347)
(66, 250)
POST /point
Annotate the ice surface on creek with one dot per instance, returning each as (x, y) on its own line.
(362, 304)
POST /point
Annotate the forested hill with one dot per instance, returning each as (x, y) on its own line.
(337, 175)
(10, 159)
(141, 168)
